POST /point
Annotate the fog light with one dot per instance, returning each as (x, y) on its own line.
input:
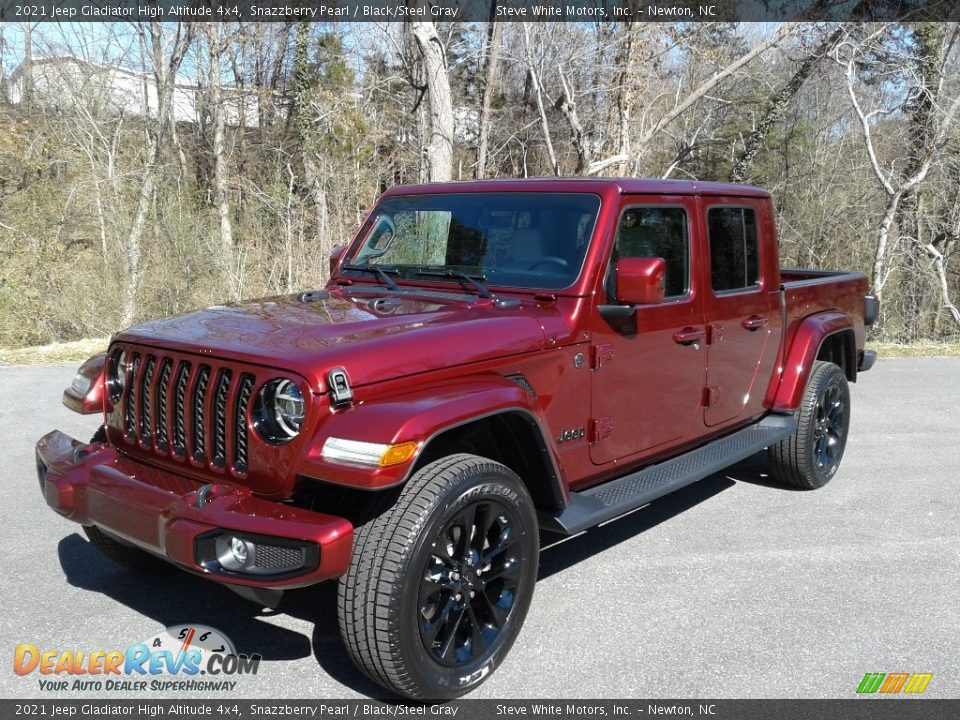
(235, 553)
(222, 551)
(239, 550)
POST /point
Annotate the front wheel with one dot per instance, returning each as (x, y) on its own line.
(809, 457)
(440, 583)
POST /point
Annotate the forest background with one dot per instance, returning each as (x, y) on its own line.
(149, 169)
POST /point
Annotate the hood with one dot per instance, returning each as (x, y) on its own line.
(375, 337)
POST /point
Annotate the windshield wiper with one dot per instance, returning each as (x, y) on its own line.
(381, 273)
(475, 280)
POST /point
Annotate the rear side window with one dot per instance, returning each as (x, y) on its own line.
(733, 248)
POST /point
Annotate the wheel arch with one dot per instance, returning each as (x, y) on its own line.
(825, 336)
(487, 416)
(840, 348)
(502, 437)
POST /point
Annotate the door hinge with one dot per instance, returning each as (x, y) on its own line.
(602, 355)
(601, 428)
(714, 334)
(710, 396)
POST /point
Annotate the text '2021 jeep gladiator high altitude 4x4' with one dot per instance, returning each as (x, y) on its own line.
(488, 359)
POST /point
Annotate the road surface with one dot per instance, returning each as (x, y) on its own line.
(732, 588)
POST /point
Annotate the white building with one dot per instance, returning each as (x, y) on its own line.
(67, 81)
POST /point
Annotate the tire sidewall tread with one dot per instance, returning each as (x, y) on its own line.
(376, 600)
(792, 459)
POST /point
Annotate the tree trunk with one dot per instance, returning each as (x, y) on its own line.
(490, 79)
(537, 88)
(439, 155)
(27, 67)
(306, 130)
(135, 238)
(625, 96)
(221, 171)
(568, 107)
(777, 105)
(167, 50)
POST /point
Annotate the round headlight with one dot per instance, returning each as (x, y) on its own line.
(117, 375)
(288, 407)
(279, 411)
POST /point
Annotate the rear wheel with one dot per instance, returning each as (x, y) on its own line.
(809, 457)
(440, 584)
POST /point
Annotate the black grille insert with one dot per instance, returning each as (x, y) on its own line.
(179, 422)
(240, 422)
(129, 418)
(165, 370)
(194, 411)
(197, 413)
(146, 391)
(220, 418)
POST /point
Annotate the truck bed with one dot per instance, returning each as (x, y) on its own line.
(807, 292)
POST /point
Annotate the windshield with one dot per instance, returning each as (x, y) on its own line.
(530, 240)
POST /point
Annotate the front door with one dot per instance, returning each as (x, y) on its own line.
(743, 313)
(648, 370)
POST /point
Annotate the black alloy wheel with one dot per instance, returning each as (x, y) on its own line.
(810, 456)
(829, 436)
(469, 583)
(441, 580)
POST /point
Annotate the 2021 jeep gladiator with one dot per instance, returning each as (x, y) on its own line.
(488, 359)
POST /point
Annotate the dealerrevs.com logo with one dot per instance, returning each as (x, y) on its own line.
(182, 658)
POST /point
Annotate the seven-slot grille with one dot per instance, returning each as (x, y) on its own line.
(191, 411)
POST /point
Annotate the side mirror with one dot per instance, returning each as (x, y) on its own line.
(335, 256)
(639, 281)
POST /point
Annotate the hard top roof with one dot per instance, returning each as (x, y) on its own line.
(626, 186)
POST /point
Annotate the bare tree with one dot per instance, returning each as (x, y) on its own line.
(776, 104)
(533, 74)
(167, 47)
(684, 102)
(490, 78)
(938, 108)
(439, 149)
(215, 41)
(27, 67)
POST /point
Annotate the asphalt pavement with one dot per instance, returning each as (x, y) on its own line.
(732, 588)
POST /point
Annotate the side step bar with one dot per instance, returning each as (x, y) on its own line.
(616, 497)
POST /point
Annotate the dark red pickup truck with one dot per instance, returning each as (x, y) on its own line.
(488, 359)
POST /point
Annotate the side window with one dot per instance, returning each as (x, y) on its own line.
(733, 248)
(657, 232)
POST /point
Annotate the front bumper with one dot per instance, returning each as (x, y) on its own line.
(93, 485)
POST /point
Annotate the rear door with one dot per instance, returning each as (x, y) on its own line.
(742, 311)
(648, 376)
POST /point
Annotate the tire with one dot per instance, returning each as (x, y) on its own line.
(125, 554)
(398, 607)
(809, 458)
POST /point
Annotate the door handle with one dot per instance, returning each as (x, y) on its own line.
(755, 322)
(689, 336)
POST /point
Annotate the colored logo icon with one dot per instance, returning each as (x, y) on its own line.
(893, 683)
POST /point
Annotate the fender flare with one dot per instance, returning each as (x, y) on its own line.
(420, 417)
(801, 354)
